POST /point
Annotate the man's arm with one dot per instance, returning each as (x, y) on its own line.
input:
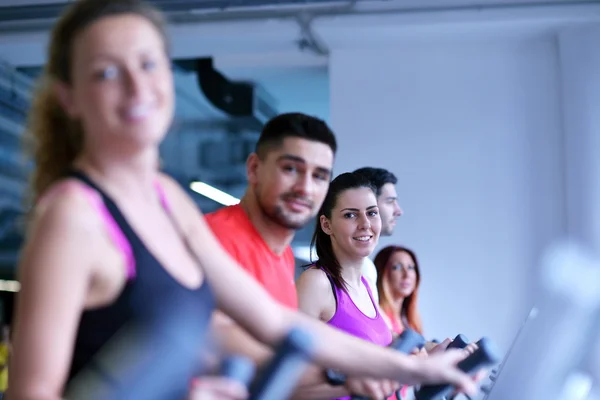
(235, 340)
(368, 387)
(313, 385)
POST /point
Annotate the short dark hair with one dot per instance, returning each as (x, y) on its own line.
(321, 241)
(294, 125)
(378, 177)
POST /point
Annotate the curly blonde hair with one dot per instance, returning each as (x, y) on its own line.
(52, 138)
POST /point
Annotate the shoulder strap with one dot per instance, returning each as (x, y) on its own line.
(115, 230)
(365, 282)
(162, 196)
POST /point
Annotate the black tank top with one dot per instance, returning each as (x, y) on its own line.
(154, 303)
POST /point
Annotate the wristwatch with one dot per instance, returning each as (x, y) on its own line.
(335, 378)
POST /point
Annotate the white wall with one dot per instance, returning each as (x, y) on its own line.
(471, 128)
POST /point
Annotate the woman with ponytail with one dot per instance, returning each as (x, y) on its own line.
(333, 289)
(93, 130)
(53, 138)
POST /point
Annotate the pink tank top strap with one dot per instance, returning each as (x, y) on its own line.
(365, 282)
(396, 326)
(162, 196)
(114, 231)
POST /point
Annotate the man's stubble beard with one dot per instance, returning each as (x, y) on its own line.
(386, 231)
(277, 216)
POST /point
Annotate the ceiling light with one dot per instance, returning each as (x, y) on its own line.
(9, 286)
(213, 193)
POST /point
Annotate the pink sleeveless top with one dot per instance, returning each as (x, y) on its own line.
(350, 319)
(114, 231)
(396, 327)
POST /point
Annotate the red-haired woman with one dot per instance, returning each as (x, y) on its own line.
(398, 279)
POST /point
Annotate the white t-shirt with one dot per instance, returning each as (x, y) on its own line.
(369, 271)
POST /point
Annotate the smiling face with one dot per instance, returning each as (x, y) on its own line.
(291, 181)
(355, 225)
(121, 87)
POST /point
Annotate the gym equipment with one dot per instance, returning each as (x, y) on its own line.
(153, 357)
(484, 356)
(557, 356)
(497, 371)
(278, 379)
(156, 358)
(408, 341)
(459, 342)
(405, 343)
(238, 368)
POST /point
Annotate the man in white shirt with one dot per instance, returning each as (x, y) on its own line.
(389, 210)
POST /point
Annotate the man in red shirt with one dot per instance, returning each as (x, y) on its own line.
(288, 178)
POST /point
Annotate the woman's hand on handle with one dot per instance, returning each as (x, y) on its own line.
(372, 388)
(420, 353)
(440, 368)
(433, 348)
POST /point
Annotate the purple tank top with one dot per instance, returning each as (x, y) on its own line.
(350, 319)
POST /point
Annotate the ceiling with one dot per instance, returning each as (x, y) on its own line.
(240, 32)
(191, 4)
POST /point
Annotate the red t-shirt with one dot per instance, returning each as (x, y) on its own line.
(244, 243)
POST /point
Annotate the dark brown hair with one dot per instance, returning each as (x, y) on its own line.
(321, 240)
(294, 125)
